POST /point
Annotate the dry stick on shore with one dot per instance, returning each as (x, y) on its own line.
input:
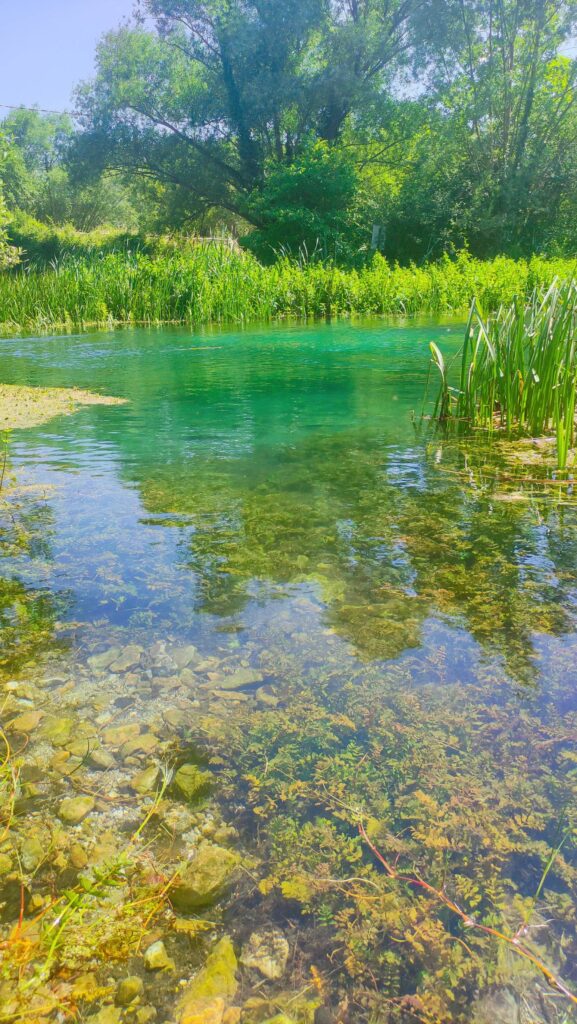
(470, 922)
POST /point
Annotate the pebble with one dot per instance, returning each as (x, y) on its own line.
(157, 959)
(145, 781)
(74, 808)
(128, 990)
(5, 864)
(128, 658)
(26, 722)
(32, 853)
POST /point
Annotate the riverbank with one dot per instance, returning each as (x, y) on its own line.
(212, 284)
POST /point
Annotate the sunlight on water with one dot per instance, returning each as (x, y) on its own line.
(265, 500)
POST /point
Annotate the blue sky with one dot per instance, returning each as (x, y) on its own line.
(47, 47)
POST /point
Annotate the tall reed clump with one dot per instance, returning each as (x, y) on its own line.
(202, 283)
(518, 369)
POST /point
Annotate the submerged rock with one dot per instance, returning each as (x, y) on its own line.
(267, 952)
(58, 730)
(205, 879)
(117, 735)
(157, 959)
(5, 864)
(204, 1011)
(74, 808)
(212, 988)
(101, 661)
(183, 656)
(145, 781)
(128, 990)
(128, 658)
(32, 853)
(107, 1015)
(242, 677)
(26, 722)
(101, 759)
(191, 782)
(499, 1004)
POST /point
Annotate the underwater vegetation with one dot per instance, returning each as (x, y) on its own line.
(518, 369)
(287, 694)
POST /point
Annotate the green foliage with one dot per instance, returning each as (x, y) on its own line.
(200, 283)
(518, 369)
(8, 254)
(307, 207)
(451, 796)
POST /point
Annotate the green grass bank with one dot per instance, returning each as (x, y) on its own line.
(217, 284)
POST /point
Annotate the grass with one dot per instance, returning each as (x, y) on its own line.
(199, 284)
(518, 369)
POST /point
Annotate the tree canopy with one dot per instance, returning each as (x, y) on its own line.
(450, 123)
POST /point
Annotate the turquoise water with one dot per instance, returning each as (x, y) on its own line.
(266, 496)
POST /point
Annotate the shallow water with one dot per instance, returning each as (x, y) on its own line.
(265, 496)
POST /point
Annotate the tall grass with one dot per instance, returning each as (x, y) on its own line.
(518, 369)
(212, 283)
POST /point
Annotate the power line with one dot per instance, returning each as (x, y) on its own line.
(40, 110)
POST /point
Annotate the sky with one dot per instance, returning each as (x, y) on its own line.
(47, 47)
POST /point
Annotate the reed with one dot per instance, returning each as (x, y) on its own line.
(518, 369)
(200, 283)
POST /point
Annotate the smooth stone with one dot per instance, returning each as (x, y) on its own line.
(5, 864)
(57, 730)
(146, 743)
(175, 719)
(215, 981)
(239, 679)
(265, 695)
(146, 1014)
(204, 1011)
(32, 853)
(101, 759)
(26, 722)
(97, 662)
(204, 879)
(116, 735)
(183, 656)
(128, 658)
(157, 959)
(267, 952)
(78, 856)
(191, 782)
(145, 781)
(188, 677)
(74, 808)
(82, 747)
(128, 989)
(108, 1015)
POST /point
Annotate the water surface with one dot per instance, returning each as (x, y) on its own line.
(265, 496)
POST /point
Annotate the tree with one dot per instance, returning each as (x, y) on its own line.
(503, 126)
(222, 91)
(308, 206)
(8, 254)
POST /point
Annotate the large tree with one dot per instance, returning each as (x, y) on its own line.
(205, 96)
(497, 162)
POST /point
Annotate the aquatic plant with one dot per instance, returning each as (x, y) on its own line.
(518, 369)
(215, 283)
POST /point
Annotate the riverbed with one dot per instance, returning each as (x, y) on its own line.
(262, 628)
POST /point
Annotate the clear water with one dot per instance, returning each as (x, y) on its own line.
(264, 495)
